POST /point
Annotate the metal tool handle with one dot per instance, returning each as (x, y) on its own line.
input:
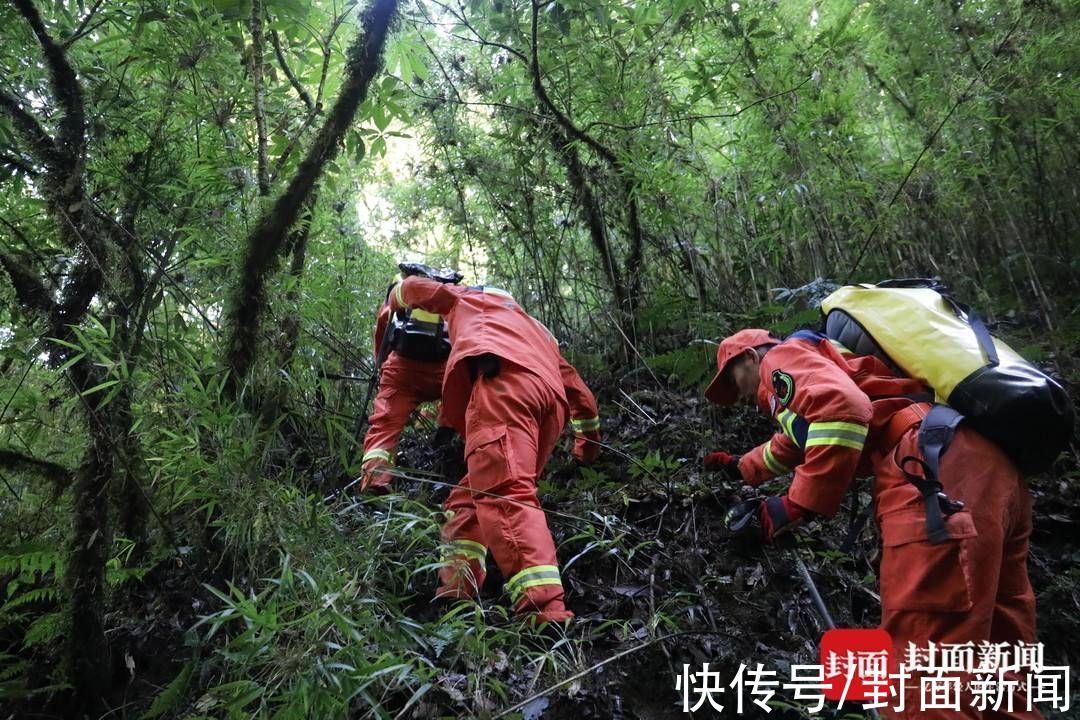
(819, 604)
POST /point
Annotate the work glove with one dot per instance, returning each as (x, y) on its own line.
(779, 514)
(738, 517)
(726, 463)
(373, 477)
(587, 446)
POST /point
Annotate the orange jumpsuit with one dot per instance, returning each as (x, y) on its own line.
(403, 384)
(511, 422)
(838, 422)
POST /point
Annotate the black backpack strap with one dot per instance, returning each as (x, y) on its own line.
(982, 335)
(986, 343)
(935, 434)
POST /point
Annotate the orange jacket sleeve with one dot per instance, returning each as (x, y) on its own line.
(584, 414)
(583, 409)
(825, 413)
(425, 293)
(778, 456)
(380, 328)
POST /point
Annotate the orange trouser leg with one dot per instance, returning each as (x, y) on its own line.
(1014, 604)
(403, 384)
(972, 588)
(464, 569)
(512, 424)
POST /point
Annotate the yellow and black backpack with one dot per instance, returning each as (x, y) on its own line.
(916, 327)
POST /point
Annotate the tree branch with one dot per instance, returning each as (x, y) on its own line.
(83, 28)
(328, 46)
(590, 210)
(257, 51)
(17, 163)
(267, 239)
(284, 65)
(872, 74)
(65, 181)
(545, 100)
(29, 290)
(64, 83)
(40, 142)
(55, 473)
(695, 118)
(484, 42)
(635, 255)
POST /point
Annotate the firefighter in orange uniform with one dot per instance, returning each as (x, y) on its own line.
(954, 563)
(509, 392)
(404, 383)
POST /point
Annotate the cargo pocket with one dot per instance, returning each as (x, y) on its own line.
(916, 575)
(487, 454)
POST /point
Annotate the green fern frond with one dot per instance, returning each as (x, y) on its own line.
(42, 595)
(31, 558)
(45, 629)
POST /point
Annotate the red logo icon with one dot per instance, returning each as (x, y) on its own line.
(856, 664)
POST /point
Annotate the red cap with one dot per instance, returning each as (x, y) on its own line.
(721, 391)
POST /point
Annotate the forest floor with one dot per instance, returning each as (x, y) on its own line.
(645, 555)
(654, 577)
(732, 600)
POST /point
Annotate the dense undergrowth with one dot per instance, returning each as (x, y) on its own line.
(201, 205)
(271, 590)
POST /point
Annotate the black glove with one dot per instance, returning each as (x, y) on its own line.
(740, 516)
(779, 515)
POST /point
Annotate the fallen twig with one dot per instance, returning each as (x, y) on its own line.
(597, 666)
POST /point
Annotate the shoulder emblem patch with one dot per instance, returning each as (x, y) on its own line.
(783, 386)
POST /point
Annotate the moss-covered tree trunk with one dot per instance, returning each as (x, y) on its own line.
(81, 230)
(267, 240)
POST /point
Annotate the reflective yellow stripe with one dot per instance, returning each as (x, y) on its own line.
(397, 295)
(468, 549)
(377, 453)
(520, 589)
(586, 424)
(786, 418)
(532, 577)
(846, 434)
(849, 426)
(471, 543)
(845, 442)
(772, 463)
(425, 316)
